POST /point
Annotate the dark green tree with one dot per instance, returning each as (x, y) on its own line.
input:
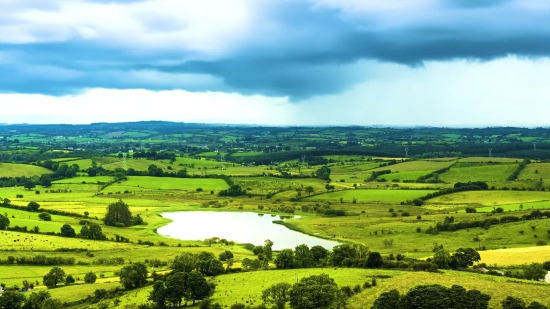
(226, 255)
(197, 287)
(55, 276)
(323, 173)
(268, 249)
(158, 294)
(29, 185)
(277, 295)
(303, 258)
(387, 300)
(441, 258)
(185, 262)
(44, 216)
(4, 222)
(513, 303)
(464, 258)
(374, 260)
(90, 277)
(45, 181)
(319, 253)
(176, 288)
(133, 275)
(36, 299)
(12, 299)
(534, 271)
(69, 280)
(316, 292)
(67, 231)
(33, 206)
(285, 259)
(118, 212)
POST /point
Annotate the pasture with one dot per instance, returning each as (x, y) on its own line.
(18, 170)
(371, 196)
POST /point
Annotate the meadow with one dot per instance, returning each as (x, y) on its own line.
(374, 216)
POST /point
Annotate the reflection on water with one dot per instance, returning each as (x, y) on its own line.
(241, 227)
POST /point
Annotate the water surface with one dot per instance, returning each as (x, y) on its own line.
(241, 227)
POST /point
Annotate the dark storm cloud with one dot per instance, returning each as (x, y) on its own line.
(311, 51)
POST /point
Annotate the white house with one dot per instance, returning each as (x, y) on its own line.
(547, 279)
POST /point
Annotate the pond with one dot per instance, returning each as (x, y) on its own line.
(241, 227)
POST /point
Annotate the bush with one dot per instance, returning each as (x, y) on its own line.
(90, 277)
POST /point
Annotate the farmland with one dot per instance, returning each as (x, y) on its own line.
(331, 194)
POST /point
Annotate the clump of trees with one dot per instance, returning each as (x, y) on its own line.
(119, 214)
(433, 296)
(234, 190)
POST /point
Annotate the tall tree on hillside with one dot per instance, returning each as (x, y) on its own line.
(118, 212)
(55, 276)
(4, 222)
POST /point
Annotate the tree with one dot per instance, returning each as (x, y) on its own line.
(464, 258)
(33, 206)
(11, 299)
(51, 303)
(176, 288)
(90, 277)
(69, 280)
(315, 292)
(437, 296)
(534, 271)
(4, 222)
(67, 231)
(374, 260)
(512, 303)
(197, 287)
(309, 190)
(186, 262)
(36, 299)
(45, 181)
(323, 173)
(133, 275)
(285, 259)
(268, 249)
(55, 276)
(226, 255)
(29, 185)
(387, 300)
(278, 295)
(215, 267)
(158, 294)
(536, 305)
(118, 212)
(319, 253)
(441, 258)
(44, 216)
(303, 258)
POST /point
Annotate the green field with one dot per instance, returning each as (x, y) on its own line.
(489, 173)
(18, 170)
(491, 198)
(165, 183)
(372, 196)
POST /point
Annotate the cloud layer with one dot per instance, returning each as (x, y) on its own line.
(296, 49)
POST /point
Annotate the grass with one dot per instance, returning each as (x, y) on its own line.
(372, 196)
(19, 170)
(491, 197)
(166, 183)
(514, 256)
(486, 173)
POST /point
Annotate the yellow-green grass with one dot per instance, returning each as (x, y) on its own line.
(270, 184)
(86, 179)
(209, 163)
(497, 287)
(64, 159)
(479, 173)
(372, 196)
(20, 170)
(536, 171)
(82, 163)
(80, 291)
(488, 159)
(515, 256)
(404, 176)
(516, 207)
(166, 183)
(141, 165)
(246, 154)
(491, 197)
(14, 274)
(415, 166)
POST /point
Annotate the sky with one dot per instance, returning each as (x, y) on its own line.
(276, 62)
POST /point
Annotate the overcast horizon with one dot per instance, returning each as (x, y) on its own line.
(440, 63)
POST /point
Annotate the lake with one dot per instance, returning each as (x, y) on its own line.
(241, 227)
